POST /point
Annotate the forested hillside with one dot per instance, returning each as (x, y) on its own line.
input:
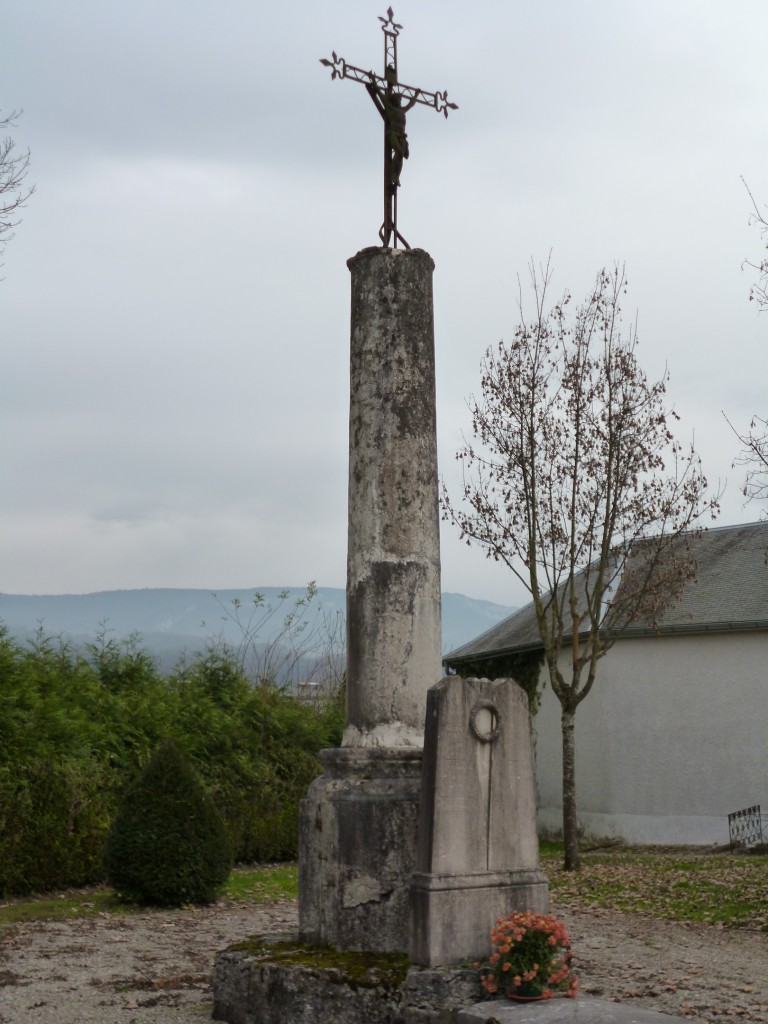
(171, 622)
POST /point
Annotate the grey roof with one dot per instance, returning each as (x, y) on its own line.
(729, 593)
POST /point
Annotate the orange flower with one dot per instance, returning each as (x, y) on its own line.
(530, 948)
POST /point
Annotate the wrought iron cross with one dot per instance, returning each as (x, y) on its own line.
(388, 94)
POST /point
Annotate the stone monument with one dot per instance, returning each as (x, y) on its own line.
(473, 819)
(478, 851)
(357, 833)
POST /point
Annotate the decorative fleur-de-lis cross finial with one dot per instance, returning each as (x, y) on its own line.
(393, 100)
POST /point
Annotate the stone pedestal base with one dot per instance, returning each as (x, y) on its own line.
(277, 980)
(274, 980)
(456, 912)
(357, 849)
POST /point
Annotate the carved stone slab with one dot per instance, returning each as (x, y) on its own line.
(477, 855)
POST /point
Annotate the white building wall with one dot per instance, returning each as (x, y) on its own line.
(672, 738)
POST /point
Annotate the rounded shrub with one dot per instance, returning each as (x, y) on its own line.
(168, 844)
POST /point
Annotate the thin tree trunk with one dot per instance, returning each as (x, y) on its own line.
(570, 821)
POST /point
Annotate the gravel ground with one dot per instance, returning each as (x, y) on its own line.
(156, 967)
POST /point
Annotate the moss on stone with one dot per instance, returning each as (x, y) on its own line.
(354, 968)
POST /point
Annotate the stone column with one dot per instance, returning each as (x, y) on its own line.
(393, 557)
(358, 825)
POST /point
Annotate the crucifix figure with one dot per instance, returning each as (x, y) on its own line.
(393, 100)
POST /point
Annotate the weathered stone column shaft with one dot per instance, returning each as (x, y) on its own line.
(393, 561)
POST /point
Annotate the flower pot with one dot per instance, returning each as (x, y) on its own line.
(526, 993)
(531, 958)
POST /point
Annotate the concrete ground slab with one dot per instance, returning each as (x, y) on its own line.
(582, 1010)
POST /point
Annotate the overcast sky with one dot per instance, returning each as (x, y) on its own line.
(175, 309)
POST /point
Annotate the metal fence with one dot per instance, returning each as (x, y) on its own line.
(747, 827)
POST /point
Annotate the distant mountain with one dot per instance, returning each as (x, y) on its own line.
(173, 622)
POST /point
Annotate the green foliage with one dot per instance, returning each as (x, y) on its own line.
(257, 747)
(168, 844)
(76, 729)
(524, 667)
(54, 817)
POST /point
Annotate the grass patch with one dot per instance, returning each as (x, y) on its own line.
(65, 907)
(726, 889)
(244, 885)
(263, 885)
(551, 849)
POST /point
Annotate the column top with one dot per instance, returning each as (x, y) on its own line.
(373, 251)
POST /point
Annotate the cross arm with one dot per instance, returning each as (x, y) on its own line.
(340, 69)
(437, 100)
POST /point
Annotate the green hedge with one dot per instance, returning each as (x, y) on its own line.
(76, 729)
(168, 844)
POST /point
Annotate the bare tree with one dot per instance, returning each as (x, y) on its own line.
(754, 443)
(288, 641)
(759, 291)
(754, 455)
(14, 192)
(575, 481)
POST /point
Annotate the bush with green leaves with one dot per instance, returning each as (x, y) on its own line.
(77, 728)
(168, 844)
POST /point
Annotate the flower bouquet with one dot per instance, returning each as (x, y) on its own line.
(531, 958)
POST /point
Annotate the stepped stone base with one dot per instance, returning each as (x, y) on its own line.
(277, 980)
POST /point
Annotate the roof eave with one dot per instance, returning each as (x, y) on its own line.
(629, 633)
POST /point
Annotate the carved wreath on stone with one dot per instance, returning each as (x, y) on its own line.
(485, 705)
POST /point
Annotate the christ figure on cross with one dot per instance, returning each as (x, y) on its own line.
(393, 100)
(390, 105)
